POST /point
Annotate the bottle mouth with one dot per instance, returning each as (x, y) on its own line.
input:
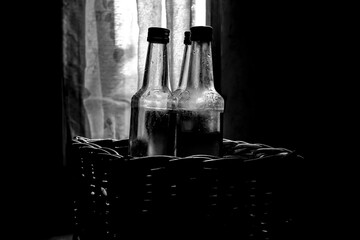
(201, 33)
(158, 35)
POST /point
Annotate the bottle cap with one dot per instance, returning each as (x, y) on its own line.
(158, 35)
(187, 40)
(201, 33)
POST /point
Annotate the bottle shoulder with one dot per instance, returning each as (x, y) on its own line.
(200, 99)
(153, 98)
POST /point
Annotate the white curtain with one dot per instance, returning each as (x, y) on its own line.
(104, 56)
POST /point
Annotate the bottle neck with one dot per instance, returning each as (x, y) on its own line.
(184, 68)
(201, 67)
(156, 67)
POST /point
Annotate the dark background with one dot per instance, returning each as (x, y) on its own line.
(262, 80)
(263, 72)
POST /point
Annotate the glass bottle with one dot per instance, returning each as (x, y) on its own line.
(184, 72)
(200, 107)
(152, 121)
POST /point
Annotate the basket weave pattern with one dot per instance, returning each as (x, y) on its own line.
(250, 193)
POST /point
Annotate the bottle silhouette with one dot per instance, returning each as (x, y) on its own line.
(199, 107)
(184, 72)
(152, 121)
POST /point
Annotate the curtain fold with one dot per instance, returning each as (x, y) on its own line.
(104, 57)
(178, 21)
(111, 73)
(149, 15)
(74, 66)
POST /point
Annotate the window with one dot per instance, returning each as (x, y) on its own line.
(104, 57)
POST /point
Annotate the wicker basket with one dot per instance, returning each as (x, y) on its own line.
(250, 193)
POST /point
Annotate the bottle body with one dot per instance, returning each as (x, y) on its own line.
(152, 122)
(199, 107)
(152, 132)
(199, 132)
(199, 128)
